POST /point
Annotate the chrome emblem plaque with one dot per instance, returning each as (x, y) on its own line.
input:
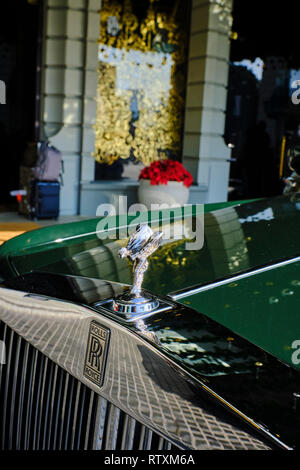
(95, 359)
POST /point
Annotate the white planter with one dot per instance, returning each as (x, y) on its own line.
(173, 193)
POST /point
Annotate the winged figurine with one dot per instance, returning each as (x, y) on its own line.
(140, 246)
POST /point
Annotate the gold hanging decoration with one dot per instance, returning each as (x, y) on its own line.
(141, 83)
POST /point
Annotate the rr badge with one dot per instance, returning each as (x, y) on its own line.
(96, 353)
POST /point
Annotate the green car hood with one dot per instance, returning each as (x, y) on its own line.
(240, 239)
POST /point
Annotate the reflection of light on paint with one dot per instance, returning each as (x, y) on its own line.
(273, 300)
(225, 364)
(295, 282)
(287, 292)
(256, 67)
(267, 214)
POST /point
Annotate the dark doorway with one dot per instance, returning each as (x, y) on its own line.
(19, 20)
(262, 122)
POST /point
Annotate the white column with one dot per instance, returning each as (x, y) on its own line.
(69, 90)
(205, 154)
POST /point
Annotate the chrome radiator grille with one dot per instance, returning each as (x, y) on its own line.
(44, 407)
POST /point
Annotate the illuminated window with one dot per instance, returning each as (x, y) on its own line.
(141, 80)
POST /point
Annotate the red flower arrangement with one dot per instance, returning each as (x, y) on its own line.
(162, 171)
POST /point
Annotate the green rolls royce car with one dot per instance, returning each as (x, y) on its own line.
(206, 355)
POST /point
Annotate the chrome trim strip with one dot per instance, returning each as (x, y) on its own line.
(63, 410)
(88, 427)
(100, 423)
(196, 290)
(160, 443)
(8, 367)
(75, 413)
(113, 426)
(69, 412)
(13, 394)
(47, 390)
(79, 423)
(57, 404)
(21, 401)
(128, 433)
(142, 437)
(36, 415)
(148, 439)
(125, 433)
(2, 365)
(30, 400)
(53, 404)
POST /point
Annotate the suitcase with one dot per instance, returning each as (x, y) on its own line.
(48, 166)
(44, 199)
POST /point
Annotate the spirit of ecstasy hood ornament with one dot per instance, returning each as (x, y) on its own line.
(140, 246)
